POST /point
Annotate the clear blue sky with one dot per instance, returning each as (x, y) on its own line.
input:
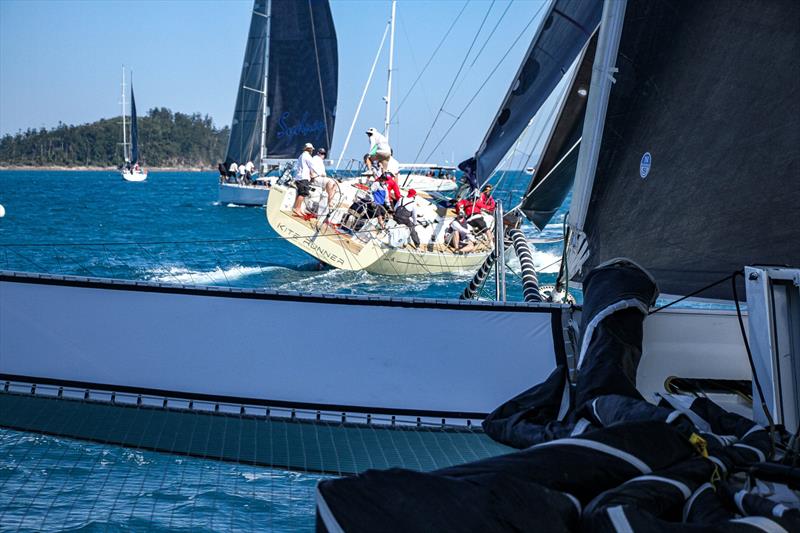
(60, 60)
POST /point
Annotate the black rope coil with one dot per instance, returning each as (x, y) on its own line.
(480, 276)
(530, 281)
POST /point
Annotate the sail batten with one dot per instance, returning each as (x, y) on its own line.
(292, 46)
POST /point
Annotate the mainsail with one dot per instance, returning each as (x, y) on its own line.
(567, 27)
(134, 131)
(292, 46)
(698, 166)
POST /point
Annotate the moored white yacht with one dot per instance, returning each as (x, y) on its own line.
(131, 171)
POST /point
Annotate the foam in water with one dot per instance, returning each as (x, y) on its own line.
(218, 275)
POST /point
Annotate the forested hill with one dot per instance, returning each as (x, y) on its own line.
(166, 139)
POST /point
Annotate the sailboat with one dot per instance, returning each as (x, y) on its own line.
(280, 107)
(377, 248)
(131, 171)
(289, 393)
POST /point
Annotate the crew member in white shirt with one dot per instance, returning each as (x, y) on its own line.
(319, 176)
(379, 149)
(302, 178)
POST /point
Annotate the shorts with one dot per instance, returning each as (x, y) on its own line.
(382, 155)
(303, 187)
(322, 181)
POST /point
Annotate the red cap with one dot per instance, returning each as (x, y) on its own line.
(412, 193)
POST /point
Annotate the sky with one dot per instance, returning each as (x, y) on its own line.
(61, 60)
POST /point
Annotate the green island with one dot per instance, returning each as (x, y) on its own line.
(166, 140)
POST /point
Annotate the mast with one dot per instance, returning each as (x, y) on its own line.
(388, 98)
(265, 110)
(124, 132)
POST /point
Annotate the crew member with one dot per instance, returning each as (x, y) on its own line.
(405, 212)
(319, 176)
(302, 178)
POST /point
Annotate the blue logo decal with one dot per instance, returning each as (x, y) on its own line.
(644, 165)
(303, 127)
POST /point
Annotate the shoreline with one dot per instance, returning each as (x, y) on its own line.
(102, 169)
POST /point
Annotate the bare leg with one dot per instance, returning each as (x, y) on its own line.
(298, 206)
(330, 188)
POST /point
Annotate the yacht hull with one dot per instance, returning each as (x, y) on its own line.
(251, 195)
(128, 175)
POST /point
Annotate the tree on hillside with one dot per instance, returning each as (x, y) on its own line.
(165, 139)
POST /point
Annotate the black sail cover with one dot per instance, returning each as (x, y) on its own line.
(302, 84)
(698, 170)
(134, 131)
(567, 27)
(555, 172)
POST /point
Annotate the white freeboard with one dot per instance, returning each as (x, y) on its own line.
(338, 351)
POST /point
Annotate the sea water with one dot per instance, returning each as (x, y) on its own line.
(172, 229)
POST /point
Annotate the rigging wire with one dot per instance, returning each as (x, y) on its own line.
(319, 77)
(485, 81)
(430, 59)
(453, 83)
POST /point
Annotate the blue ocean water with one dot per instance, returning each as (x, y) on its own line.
(170, 229)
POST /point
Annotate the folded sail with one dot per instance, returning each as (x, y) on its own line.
(698, 168)
(297, 40)
(134, 131)
(567, 27)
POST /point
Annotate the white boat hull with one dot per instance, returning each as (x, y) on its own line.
(233, 193)
(421, 182)
(346, 252)
(134, 175)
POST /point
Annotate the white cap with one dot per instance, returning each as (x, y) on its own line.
(308, 146)
(371, 131)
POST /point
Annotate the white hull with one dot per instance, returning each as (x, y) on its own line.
(348, 252)
(420, 182)
(458, 360)
(233, 193)
(135, 175)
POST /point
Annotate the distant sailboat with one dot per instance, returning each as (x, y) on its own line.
(280, 107)
(131, 171)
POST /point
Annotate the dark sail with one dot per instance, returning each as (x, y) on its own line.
(564, 32)
(304, 77)
(245, 141)
(302, 82)
(699, 163)
(555, 172)
(134, 131)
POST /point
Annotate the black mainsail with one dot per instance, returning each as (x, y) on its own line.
(134, 131)
(698, 166)
(292, 45)
(567, 27)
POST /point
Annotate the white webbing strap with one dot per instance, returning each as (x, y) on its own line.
(326, 515)
(600, 447)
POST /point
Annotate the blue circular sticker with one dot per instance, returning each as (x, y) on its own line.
(644, 165)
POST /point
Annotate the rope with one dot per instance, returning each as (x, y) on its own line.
(530, 281)
(480, 276)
